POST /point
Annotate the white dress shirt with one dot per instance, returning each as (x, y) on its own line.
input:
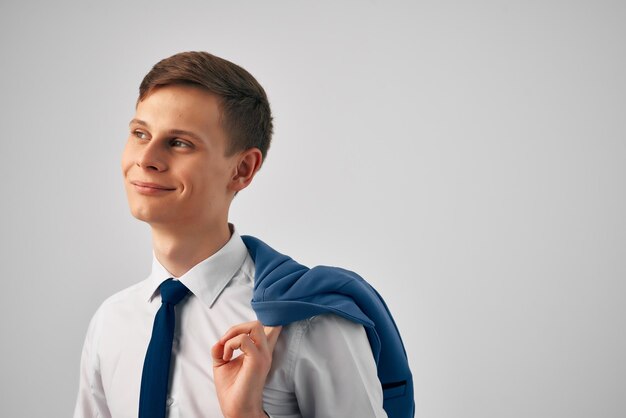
(321, 367)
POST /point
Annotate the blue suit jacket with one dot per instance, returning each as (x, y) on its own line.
(286, 291)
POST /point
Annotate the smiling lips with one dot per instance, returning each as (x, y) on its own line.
(150, 188)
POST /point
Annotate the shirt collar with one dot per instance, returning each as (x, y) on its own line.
(208, 278)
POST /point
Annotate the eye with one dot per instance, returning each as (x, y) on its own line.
(180, 144)
(140, 134)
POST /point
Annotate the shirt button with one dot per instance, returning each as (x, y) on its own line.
(169, 401)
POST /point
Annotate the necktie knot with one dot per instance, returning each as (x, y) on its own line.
(173, 291)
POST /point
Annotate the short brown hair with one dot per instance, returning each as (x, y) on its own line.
(246, 113)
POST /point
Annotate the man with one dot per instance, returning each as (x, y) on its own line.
(200, 133)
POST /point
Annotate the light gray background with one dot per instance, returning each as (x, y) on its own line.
(468, 158)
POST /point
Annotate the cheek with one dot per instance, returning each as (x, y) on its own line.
(205, 182)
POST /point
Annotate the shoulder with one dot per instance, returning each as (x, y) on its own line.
(329, 332)
(123, 299)
(110, 322)
(329, 324)
(313, 340)
(320, 325)
(323, 334)
(117, 309)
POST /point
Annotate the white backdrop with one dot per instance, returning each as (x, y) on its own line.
(468, 158)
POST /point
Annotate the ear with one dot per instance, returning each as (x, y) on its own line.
(248, 163)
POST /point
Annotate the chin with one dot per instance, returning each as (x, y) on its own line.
(148, 215)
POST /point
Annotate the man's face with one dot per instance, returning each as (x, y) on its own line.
(174, 164)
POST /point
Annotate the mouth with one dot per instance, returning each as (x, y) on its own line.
(151, 188)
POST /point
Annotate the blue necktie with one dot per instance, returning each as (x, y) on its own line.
(156, 367)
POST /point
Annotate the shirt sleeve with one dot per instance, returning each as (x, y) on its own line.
(91, 400)
(334, 372)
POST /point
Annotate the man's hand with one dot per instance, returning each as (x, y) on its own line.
(239, 381)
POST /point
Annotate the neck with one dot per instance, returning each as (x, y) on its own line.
(178, 249)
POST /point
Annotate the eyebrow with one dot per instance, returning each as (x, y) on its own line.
(171, 131)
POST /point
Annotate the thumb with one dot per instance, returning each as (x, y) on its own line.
(272, 334)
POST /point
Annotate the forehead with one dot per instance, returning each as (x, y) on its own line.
(180, 106)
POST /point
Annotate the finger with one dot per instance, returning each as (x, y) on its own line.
(241, 342)
(259, 337)
(217, 354)
(243, 328)
(254, 329)
(272, 334)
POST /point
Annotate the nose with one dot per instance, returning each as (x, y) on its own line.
(151, 157)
